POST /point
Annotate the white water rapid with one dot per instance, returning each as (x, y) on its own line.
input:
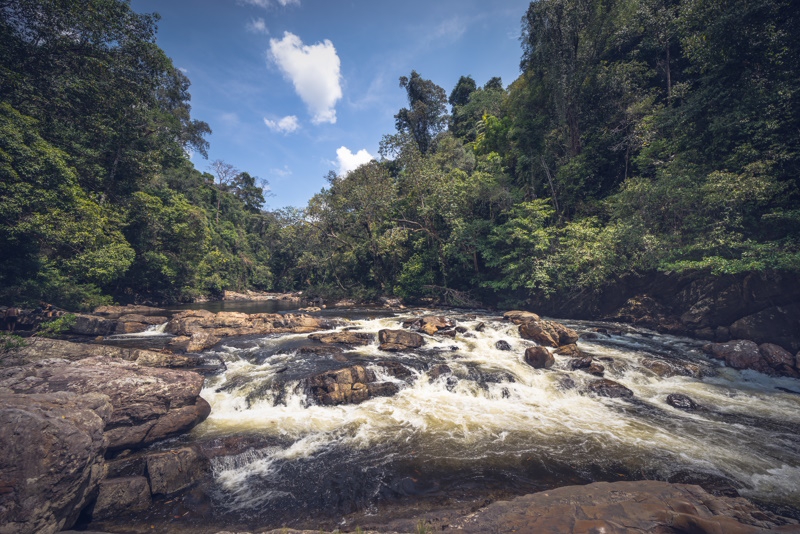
(494, 423)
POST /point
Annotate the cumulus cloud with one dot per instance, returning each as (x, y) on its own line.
(257, 26)
(349, 161)
(287, 124)
(314, 72)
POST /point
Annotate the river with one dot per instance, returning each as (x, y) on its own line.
(491, 428)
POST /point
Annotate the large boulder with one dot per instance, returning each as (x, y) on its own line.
(149, 403)
(430, 324)
(668, 368)
(740, 354)
(173, 471)
(617, 507)
(539, 357)
(548, 333)
(780, 359)
(343, 338)
(52, 459)
(351, 385)
(92, 325)
(775, 324)
(608, 388)
(519, 317)
(399, 340)
(121, 495)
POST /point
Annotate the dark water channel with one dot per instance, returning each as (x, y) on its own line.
(492, 428)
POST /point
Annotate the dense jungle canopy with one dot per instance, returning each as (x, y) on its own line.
(641, 136)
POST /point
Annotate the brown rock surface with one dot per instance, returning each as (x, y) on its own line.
(344, 338)
(350, 385)
(624, 508)
(92, 325)
(225, 324)
(52, 458)
(115, 312)
(172, 471)
(519, 317)
(776, 356)
(37, 348)
(149, 403)
(399, 340)
(118, 496)
(539, 357)
(548, 333)
(775, 324)
(740, 354)
(665, 369)
(608, 388)
(430, 324)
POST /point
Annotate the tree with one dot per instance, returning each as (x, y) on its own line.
(250, 190)
(224, 174)
(493, 83)
(460, 93)
(426, 115)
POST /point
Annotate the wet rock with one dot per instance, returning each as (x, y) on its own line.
(580, 363)
(149, 404)
(92, 325)
(317, 349)
(776, 356)
(344, 338)
(775, 324)
(52, 458)
(461, 330)
(439, 370)
(666, 369)
(430, 324)
(173, 471)
(609, 388)
(395, 369)
(681, 402)
(566, 383)
(446, 333)
(480, 327)
(548, 333)
(595, 369)
(642, 506)
(590, 336)
(502, 345)
(168, 360)
(130, 328)
(740, 354)
(350, 385)
(539, 357)
(201, 341)
(118, 496)
(519, 317)
(399, 340)
(571, 350)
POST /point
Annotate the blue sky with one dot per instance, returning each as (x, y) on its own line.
(286, 84)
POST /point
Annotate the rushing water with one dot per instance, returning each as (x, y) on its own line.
(494, 427)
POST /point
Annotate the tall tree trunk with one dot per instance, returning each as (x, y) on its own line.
(219, 194)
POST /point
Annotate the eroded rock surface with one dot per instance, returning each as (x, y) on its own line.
(122, 495)
(744, 354)
(609, 388)
(431, 324)
(343, 338)
(52, 458)
(175, 470)
(399, 340)
(624, 507)
(350, 385)
(149, 403)
(224, 324)
(539, 357)
(543, 332)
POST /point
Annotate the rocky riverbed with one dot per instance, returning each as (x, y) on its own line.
(392, 419)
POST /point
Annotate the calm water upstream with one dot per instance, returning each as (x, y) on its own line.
(493, 428)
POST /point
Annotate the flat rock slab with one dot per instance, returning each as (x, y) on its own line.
(149, 403)
(624, 507)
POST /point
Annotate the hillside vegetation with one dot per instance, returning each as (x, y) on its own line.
(641, 136)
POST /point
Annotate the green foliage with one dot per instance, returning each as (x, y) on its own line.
(9, 341)
(56, 327)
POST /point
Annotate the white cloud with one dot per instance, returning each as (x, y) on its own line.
(349, 161)
(314, 71)
(287, 124)
(257, 26)
(282, 173)
(185, 71)
(267, 3)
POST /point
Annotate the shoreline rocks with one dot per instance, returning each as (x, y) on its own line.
(399, 340)
(766, 358)
(350, 385)
(543, 332)
(52, 459)
(149, 404)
